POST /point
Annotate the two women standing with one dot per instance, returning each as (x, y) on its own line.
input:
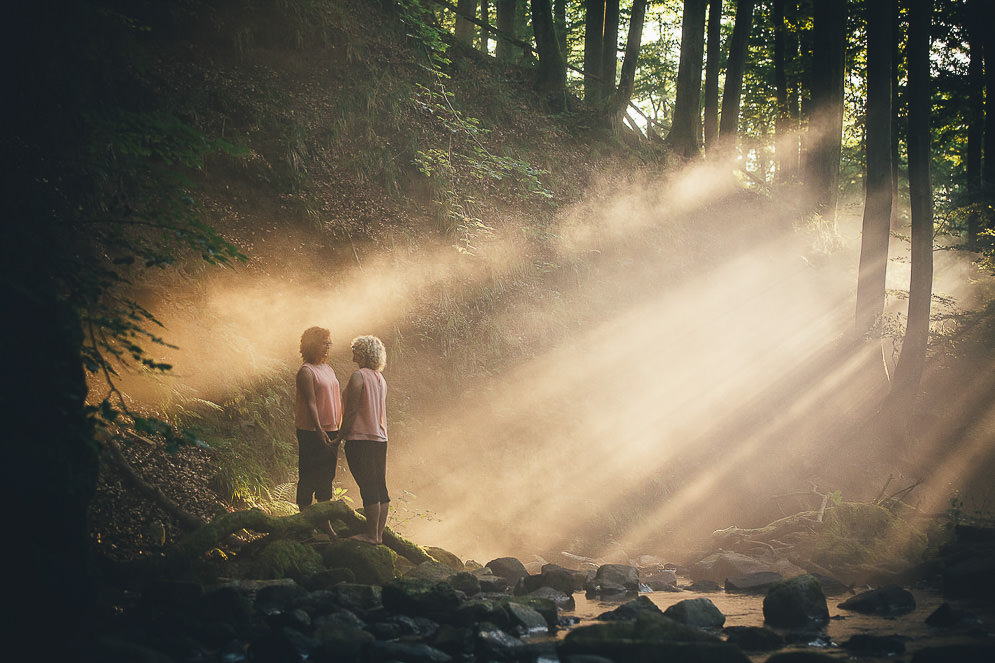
(318, 413)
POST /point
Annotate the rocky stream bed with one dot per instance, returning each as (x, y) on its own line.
(252, 587)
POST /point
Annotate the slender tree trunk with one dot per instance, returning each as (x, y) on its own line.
(712, 62)
(781, 119)
(560, 24)
(485, 18)
(912, 360)
(609, 52)
(805, 87)
(975, 118)
(632, 44)
(684, 130)
(508, 22)
(988, 145)
(877, 195)
(896, 103)
(464, 28)
(826, 121)
(732, 91)
(551, 78)
(594, 46)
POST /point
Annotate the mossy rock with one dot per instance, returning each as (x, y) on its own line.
(648, 639)
(285, 558)
(446, 557)
(370, 565)
(856, 534)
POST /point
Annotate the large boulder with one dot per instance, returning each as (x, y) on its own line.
(889, 600)
(446, 557)
(721, 565)
(796, 603)
(632, 610)
(752, 583)
(754, 638)
(285, 558)
(371, 565)
(614, 579)
(552, 576)
(659, 578)
(647, 639)
(509, 568)
(699, 612)
(415, 596)
(434, 571)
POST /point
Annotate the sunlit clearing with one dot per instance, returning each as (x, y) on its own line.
(636, 412)
(686, 360)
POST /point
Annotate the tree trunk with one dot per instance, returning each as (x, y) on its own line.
(988, 147)
(632, 44)
(683, 136)
(551, 78)
(711, 111)
(911, 362)
(896, 106)
(594, 46)
(877, 195)
(609, 52)
(805, 86)
(508, 19)
(732, 91)
(485, 18)
(825, 129)
(975, 118)
(781, 119)
(560, 24)
(464, 28)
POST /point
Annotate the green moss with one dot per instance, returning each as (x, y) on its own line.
(857, 534)
(286, 559)
(371, 565)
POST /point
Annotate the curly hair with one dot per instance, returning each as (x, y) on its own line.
(371, 350)
(312, 342)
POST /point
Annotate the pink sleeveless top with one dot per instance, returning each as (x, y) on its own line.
(326, 396)
(371, 415)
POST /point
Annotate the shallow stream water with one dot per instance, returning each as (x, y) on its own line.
(747, 610)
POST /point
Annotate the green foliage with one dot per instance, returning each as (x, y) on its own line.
(420, 20)
(252, 434)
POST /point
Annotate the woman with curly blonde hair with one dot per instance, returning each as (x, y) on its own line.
(364, 429)
(317, 413)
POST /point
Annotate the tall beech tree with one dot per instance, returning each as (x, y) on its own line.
(825, 122)
(735, 66)
(912, 360)
(594, 46)
(988, 145)
(464, 28)
(781, 87)
(483, 35)
(609, 49)
(551, 79)
(876, 227)
(685, 127)
(975, 116)
(509, 20)
(620, 99)
(712, 65)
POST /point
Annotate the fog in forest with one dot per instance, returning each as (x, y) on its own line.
(696, 391)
